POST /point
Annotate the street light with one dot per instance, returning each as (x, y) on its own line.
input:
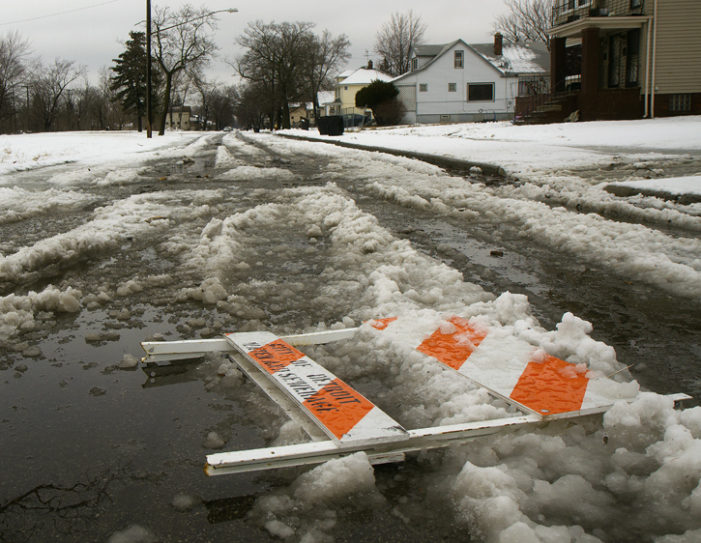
(149, 131)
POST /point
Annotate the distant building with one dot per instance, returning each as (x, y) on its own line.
(348, 85)
(299, 111)
(327, 105)
(178, 118)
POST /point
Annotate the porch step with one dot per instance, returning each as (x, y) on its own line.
(548, 108)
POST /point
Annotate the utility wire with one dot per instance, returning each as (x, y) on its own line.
(56, 14)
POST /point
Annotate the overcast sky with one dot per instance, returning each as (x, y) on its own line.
(93, 32)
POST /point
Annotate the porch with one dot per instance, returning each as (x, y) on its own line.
(602, 59)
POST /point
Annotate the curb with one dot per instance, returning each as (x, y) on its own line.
(452, 164)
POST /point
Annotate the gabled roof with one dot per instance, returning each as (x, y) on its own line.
(363, 76)
(425, 50)
(436, 51)
(514, 60)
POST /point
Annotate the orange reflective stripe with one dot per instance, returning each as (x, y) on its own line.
(338, 407)
(276, 355)
(454, 348)
(550, 387)
(381, 324)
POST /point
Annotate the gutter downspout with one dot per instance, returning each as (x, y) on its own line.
(654, 63)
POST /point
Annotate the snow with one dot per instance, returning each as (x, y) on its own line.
(534, 149)
(517, 59)
(363, 76)
(561, 483)
(670, 185)
(46, 149)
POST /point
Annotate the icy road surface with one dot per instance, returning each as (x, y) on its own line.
(238, 232)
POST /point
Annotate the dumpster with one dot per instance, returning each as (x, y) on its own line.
(331, 125)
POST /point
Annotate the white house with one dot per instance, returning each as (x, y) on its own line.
(458, 82)
(326, 103)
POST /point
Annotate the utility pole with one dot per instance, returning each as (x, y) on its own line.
(26, 111)
(149, 130)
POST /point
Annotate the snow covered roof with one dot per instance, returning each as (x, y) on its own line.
(516, 58)
(363, 76)
(325, 97)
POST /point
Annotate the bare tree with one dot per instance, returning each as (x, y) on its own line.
(13, 52)
(49, 86)
(326, 55)
(221, 105)
(253, 105)
(182, 40)
(527, 21)
(395, 40)
(273, 64)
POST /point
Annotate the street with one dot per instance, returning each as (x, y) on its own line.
(242, 231)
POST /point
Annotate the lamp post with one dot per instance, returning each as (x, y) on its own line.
(149, 131)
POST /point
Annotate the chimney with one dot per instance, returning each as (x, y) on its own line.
(370, 65)
(498, 44)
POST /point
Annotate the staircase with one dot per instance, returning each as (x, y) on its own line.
(545, 108)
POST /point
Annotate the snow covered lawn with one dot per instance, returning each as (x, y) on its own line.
(25, 151)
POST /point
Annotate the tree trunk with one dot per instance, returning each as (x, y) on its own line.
(166, 103)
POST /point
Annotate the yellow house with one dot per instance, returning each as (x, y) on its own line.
(350, 84)
(299, 112)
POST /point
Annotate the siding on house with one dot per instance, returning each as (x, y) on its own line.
(678, 64)
(619, 7)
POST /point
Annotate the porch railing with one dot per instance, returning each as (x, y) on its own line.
(565, 11)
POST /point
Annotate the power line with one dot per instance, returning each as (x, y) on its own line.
(46, 16)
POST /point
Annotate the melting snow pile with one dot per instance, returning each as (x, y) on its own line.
(588, 482)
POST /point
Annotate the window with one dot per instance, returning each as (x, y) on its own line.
(458, 62)
(633, 58)
(452, 87)
(480, 92)
(571, 4)
(414, 64)
(634, 4)
(423, 87)
(680, 103)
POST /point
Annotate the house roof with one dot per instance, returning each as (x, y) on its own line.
(427, 50)
(325, 97)
(515, 59)
(363, 76)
